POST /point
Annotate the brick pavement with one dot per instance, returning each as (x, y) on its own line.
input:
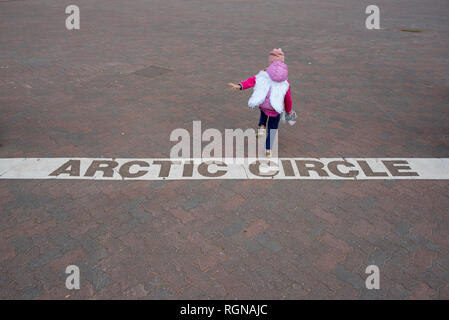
(359, 93)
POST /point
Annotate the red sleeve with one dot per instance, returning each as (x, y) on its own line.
(288, 101)
(248, 83)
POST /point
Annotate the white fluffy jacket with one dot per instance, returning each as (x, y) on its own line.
(265, 84)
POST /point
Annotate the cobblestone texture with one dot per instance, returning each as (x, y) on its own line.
(358, 93)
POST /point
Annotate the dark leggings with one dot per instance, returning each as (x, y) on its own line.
(273, 123)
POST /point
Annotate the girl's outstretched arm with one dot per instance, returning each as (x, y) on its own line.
(235, 86)
(248, 83)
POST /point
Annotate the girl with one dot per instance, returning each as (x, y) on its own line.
(271, 94)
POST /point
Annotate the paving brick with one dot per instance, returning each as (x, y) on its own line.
(431, 280)
(367, 203)
(181, 214)
(372, 294)
(22, 243)
(398, 292)
(334, 242)
(269, 243)
(328, 217)
(97, 277)
(345, 275)
(402, 228)
(193, 202)
(234, 228)
(255, 228)
(251, 245)
(44, 259)
(423, 292)
(65, 243)
(141, 215)
(329, 260)
(60, 214)
(377, 257)
(31, 293)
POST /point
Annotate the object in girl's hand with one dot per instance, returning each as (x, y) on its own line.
(290, 117)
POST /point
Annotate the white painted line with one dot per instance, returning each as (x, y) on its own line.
(189, 169)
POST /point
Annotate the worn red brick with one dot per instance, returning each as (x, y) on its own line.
(256, 228)
(182, 215)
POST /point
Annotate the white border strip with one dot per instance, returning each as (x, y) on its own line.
(192, 169)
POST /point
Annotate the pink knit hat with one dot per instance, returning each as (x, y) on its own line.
(278, 71)
(276, 55)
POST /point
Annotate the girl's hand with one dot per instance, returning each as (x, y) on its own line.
(234, 86)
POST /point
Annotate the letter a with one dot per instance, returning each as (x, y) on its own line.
(373, 20)
(71, 167)
(73, 280)
(373, 280)
(182, 148)
(72, 21)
